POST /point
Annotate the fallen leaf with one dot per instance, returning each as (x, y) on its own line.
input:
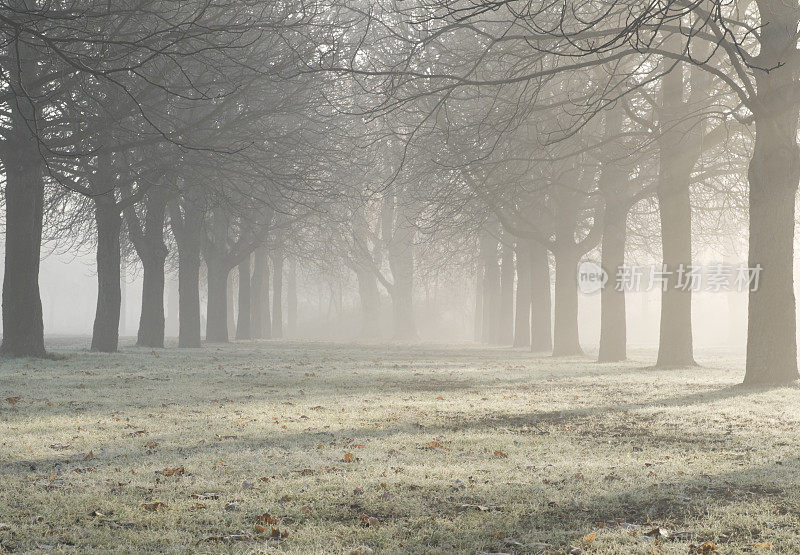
(589, 538)
(13, 400)
(366, 520)
(171, 471)
(348, 458)
(266, 518)
(500, 455)
(706, 548)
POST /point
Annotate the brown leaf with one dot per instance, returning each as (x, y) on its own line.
(366, 520)
(171, 471)
(349, 457)
(266, 518)
(13, 400)
(706, 548)
(500, 455)
(278, 534)
(434, 445)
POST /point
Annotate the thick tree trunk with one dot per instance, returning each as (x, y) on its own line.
(491, 290)
(675, 341)
(105, 334)
(243, 318)
(230, 319)
(189, 334)
(478, 323)
(773, 174)
(565, 339)
(277, 294)
(522, 320)
(23, 327)
(151, 321)
(506, 327)
(401, 262)
(217, 307)
(260, 314)
(123, 304)
(541, 305)
(370, 304)
(187, 227)
(613, 331)
(291, 298)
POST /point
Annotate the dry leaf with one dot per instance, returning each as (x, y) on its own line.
(589, 538)
(171, 471)
(349, 457)
(367, 520)
(13, 400)
(266, 518)
(259, 529)
(706, 548)
(500, 455)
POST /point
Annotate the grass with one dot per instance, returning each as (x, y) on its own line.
(391, 448)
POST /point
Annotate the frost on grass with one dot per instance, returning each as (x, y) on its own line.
(353, 448)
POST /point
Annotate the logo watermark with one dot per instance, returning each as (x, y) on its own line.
(713, 278)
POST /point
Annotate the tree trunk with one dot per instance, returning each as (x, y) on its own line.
(506, 327)
(773, 174)
(478, 323)
(187, 228)
(401, 262)
(370, 304)
(230, 320)
(675, 340)
(491, 289)
(541, 304)
(522, 321)
(23, 326)
(565, 339)
(151, 321)
(217, 307)
(613, 336)
(123, 305)
(291, 298)
(277, 294)
(189, 295)
(260, 314)
(243, 319)
(105, 334)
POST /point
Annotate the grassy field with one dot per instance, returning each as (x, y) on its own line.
(315, 447)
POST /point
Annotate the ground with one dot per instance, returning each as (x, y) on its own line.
(320, 447)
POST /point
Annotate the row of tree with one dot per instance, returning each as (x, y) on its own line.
(508, 140)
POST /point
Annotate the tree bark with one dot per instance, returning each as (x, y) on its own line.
(277, 294)
(773, 174)
(23, 326)
(189, 335)
(291, 298)
(105, 333)
(370, 304)
(217, 307)
(566, 340)
(613, 324)
(151, 321)
(478, 323)
(491, 289)
(401, 262)
(506, 326)
(522, 320)
(675, 341)
(243, 318)
(541, 303)
(260, 316)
